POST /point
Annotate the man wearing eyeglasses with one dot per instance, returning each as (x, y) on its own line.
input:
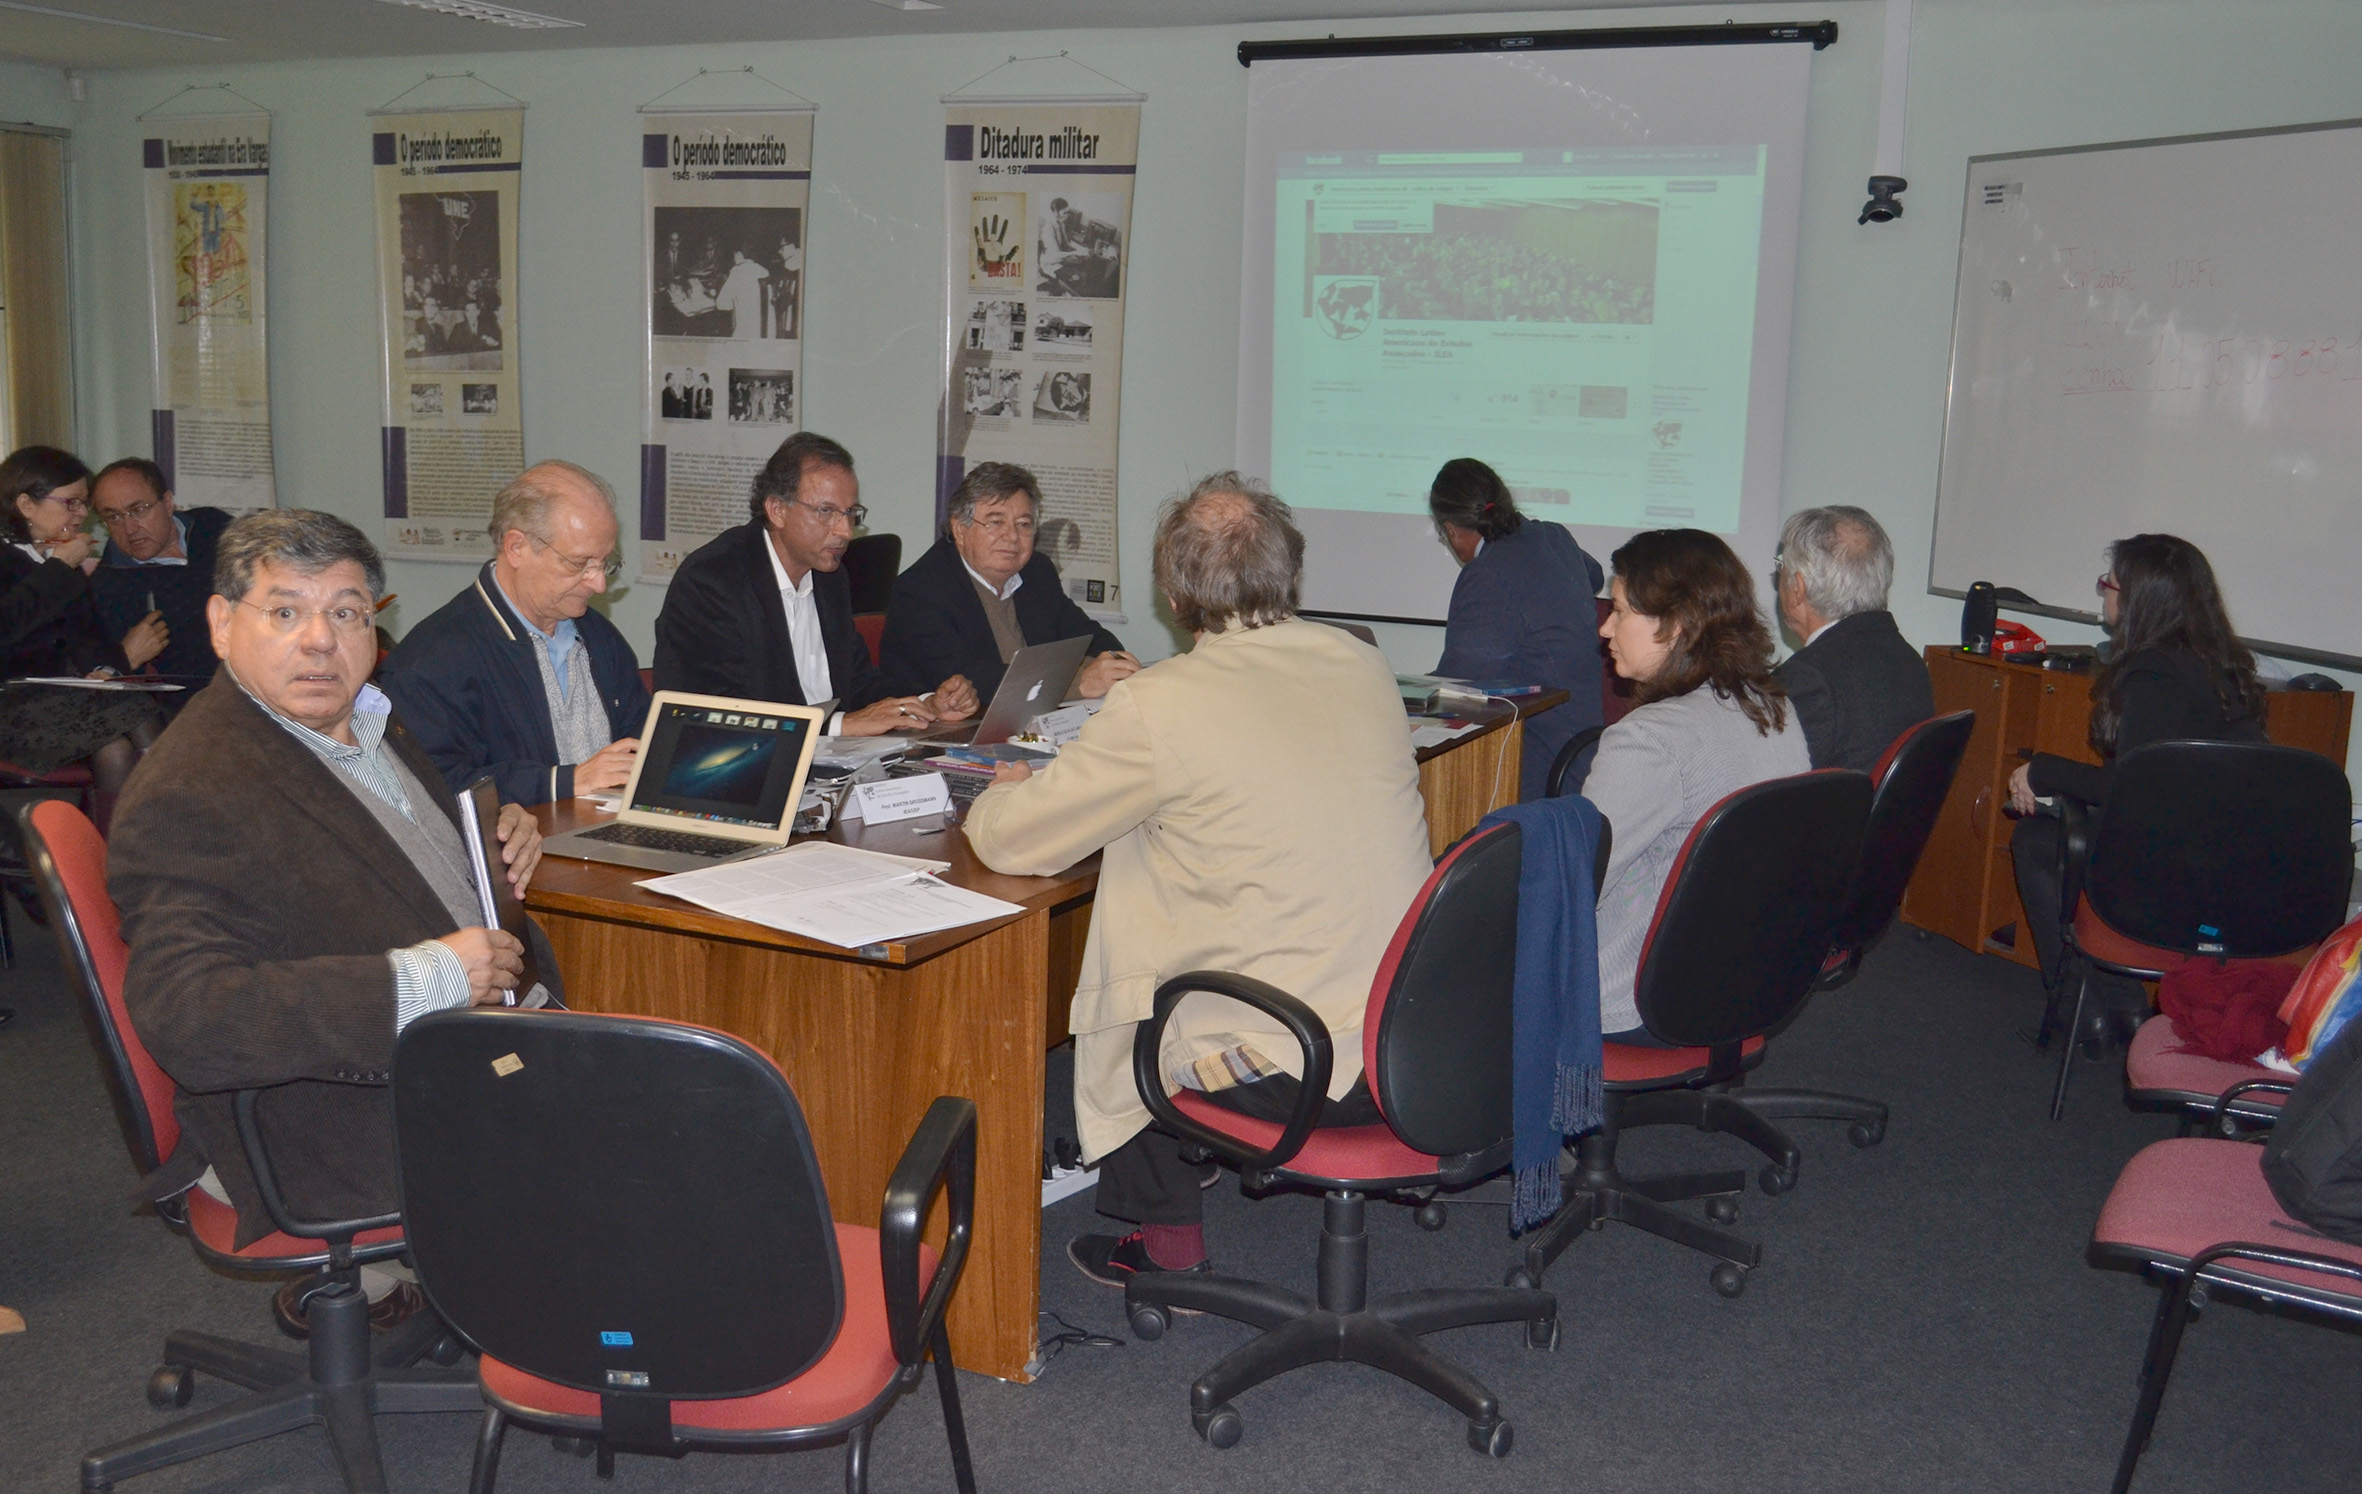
(763, 612)
(983, 592)
(158, 559)
(518, 676)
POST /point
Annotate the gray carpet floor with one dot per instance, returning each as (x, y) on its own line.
(1924, 1318)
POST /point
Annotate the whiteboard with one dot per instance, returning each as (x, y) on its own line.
(2164, 335)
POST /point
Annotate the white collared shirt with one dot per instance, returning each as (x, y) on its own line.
(804, 638)
(1005, 590)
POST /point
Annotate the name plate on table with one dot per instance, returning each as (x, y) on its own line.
(892, 799)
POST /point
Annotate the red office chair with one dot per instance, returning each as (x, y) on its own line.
(665, 1275)
(2205, 1093)
(2209, 850)
(75, 776)
(1748, 913)
(1436, 1053)
(338, 1382)
(2189, 1213)
(872, 628)
(1911, 780)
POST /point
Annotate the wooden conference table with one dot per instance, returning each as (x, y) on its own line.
(869, 1038)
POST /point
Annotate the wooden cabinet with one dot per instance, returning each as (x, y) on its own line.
(1965, 888)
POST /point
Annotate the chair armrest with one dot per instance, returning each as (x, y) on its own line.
(338, 1233)
(942, 1153)
(2272, 1255)
(2222, 1105)
(1302, 1023)
(1576, 745)
(2074, 854)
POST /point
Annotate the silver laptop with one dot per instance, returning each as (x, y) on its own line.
(715, 780)
(1036, 680)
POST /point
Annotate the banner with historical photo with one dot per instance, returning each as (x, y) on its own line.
(1038, 211)
(208, 184)
(447, 189)
(726, 196)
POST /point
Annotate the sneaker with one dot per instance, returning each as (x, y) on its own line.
(1113, 1261)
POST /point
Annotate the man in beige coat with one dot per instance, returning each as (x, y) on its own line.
(1258, 805)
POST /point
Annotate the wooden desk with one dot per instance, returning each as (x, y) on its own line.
(870, 1039)
(1966, 888)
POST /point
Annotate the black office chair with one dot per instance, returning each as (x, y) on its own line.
(2207, 850)
(626, 1217)
(1748, 914)
(339, 1379)
(1436, 1046)
(1911, 780)
(871, 563)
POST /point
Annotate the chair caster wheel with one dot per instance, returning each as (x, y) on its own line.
(1542, 1333)
(1724, 1209)
(1429, 1216)
(1521, 1278)
(1221, 1426)
(1776, 1179)
(447, 1350)
(171, 1385)
(1728, 1279)
(1149, 1323)
(574, 1447)
(1493, 1441)
(1866, 1133)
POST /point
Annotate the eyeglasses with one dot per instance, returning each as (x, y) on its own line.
(609, 566)
(2106, 583)
(72, 505)
(347, 618)
(130, 515)
(999, 526)
(851, 518)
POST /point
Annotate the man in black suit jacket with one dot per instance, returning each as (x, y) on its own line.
(1856, 684)
(762, 612)
(982, 592)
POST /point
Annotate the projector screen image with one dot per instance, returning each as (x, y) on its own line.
(1573, 265)
(721, 765)
(1582, 320)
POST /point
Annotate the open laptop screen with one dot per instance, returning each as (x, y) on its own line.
(721, 767)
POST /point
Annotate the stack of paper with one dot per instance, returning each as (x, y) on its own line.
(835, 894)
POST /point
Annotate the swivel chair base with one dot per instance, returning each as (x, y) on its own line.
(1344, 1325)
(338, 1383)
(1597, 1191)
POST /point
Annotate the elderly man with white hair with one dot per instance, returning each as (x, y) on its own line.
(1855, 683)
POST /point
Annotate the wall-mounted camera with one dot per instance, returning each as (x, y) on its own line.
(1882, 206)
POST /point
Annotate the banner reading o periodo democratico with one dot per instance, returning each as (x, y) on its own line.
(447, 190)
(208, 187)
(727, 195)
(1038, 214)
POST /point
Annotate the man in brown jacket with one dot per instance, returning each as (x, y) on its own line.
(293, 884)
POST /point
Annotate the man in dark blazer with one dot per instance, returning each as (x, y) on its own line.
(762, 611)
(1857, 685)
(982, 593)
(283, 862)
(159, 558)
(517, 676)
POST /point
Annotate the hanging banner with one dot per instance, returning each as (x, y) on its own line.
(208, 184)
(726, 197)
(447, 187)
(1038, 213)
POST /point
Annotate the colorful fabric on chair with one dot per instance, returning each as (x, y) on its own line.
(2325, 997)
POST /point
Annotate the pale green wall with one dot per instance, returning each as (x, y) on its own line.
(1873, 305)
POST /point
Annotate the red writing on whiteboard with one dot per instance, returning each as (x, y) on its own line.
(2086, 270)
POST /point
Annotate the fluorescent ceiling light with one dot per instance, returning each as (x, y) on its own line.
(907, 4)
(76, 15)
(492, 15)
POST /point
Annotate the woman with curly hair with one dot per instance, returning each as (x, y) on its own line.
(1712, 719)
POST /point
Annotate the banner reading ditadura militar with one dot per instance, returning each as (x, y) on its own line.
(1038, 214)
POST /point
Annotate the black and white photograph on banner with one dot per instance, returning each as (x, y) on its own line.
(479, 399)
(1063, 398)
(426, 400)
(726, 271)
(997, 392)
(762, 396)
(1063, 324)
(1077, 249)
(688, 394)
(451, 292)
(997, 327)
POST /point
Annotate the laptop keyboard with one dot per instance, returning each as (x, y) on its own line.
(666, 840)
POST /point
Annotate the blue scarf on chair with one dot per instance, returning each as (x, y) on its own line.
(1555, 1062)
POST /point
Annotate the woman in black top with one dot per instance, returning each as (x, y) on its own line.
(2177, 672)
(49, 627)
